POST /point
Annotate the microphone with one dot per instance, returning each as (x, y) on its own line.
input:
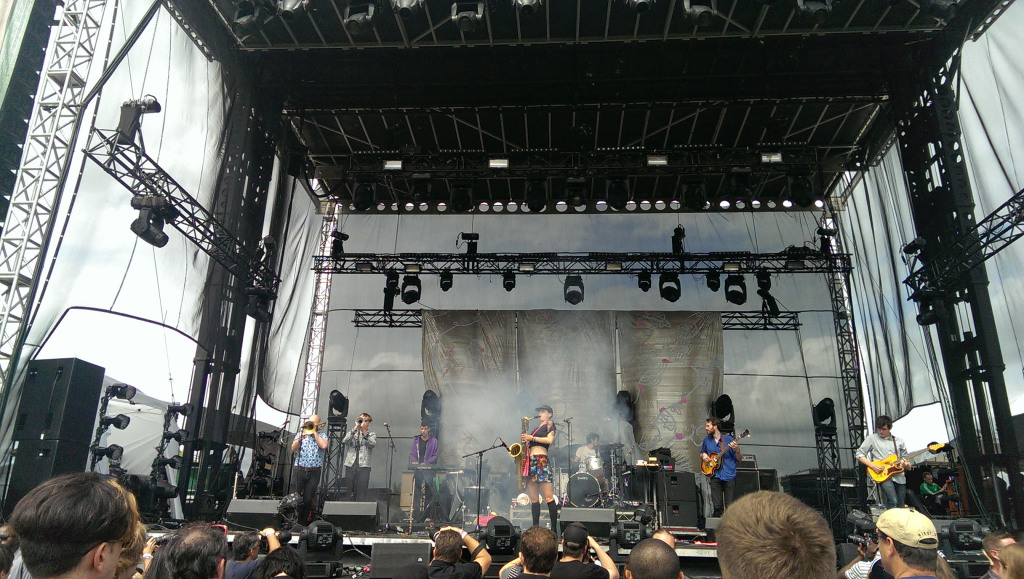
(385, 425)
(503, 444)
(567, 419)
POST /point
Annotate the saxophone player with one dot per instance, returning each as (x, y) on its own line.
(308, 448)
(537, 471)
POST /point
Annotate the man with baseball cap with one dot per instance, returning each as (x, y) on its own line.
(575, 562)
(908, 543)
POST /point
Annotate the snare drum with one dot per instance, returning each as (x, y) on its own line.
(594, 463)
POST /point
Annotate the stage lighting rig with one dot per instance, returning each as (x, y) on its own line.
(131, 118)
(364, 197)
(528, 7)
(180, 436)
(339, 404)
(573, 289)
(122, 391)
(537, 194)
(500, 536)
(250, 16)
(678, 235)
(422, 185)
(942, 9)
(695, 198)
(800, 185)
(338, 240)
(643, 281)
(112, 452)
(358, 19)
(173, 462)
(617, 193)
(699, 14)
(462, 196)
(576, 191)
(182, 409)
(817, 12)
(668, 286)
(640, 6)
(769, 305)
(289, 9)
(915, 246)
(508, 281)
(628, 533)
(411, 289)
(467, 15)
(825, 414)
(764, 280)
(714, 281)
(446, 280)
(406, 9)
(735, 289)
(119, 422)
(154, 211)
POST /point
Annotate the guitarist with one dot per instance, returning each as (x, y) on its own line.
(877, 447)
(723, 480)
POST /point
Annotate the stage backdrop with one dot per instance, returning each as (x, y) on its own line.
(491, 368)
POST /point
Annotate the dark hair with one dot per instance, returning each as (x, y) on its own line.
(592, 437)
(883, 421)
(283, 560)
(915, 557)
(191, 553)
(64, 518)
(574, 550)
(653, 559)
(539, 547)
(448, 546)
(714, 420)
(6, 559)
(244, 544)
(13, 537)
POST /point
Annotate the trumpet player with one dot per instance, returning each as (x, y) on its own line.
(359, 443)
(308, 448)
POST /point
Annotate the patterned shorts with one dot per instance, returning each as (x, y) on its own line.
(540, 471)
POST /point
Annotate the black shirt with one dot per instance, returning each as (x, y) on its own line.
(577, 570)
(441, 570)
(541, 432)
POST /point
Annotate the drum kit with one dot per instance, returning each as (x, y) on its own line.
(596, 482)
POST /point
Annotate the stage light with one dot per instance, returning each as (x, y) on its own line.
(695, 198)
(122, 391)
(617, 193)
(339, 404)
(446, 280)
(289, 9)
(699, 14)
(817, 12)
(392, 164)
(825, 413)
(412, 268)
(640, 6)
(320, 536)
(537, 195)
(131, 117)
(769, 305)
(365, 195)
(467, 15)
(657, 160)
(164, 490)
(714, 281)
(613, 266)
(500, 536)
(406, 8)
(154, 211)
(462, 198)
(497, 163)
(358, 17)
(730, 266)
(628, 533)
(576, 191)
(179, 436)
(764, 279)
(643, 281)
(119, 422)
(930, 312)
(771, 157)
(173, 462)
(112, 452)
(735, 289)
(182, 409)
(942, 9)
(573, 289)
(527, 267)
(678, 235)
(421, 187)
(338, 240)
(508, 281)
(724, 410)
(915, 246)
(669, 288)
(801, 189)
(364, 266)
(411, 289)
(528, 7)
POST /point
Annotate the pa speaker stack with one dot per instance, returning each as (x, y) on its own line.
(677, 499)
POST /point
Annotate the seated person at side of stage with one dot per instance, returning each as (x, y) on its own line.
(932, 494)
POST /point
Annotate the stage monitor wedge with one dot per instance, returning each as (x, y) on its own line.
(352, 516)
(598, 521)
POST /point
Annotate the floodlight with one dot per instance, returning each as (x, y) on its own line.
(462, 198)
(699, 14)
(497, 163)
(640, 6)
(500, 536)
(289, 9)
(695, 198)
(714, 281)
(573, 289)
(528, 7)
(801, 189)
(817, 12)
(617, 193)
(122, 391)
(527, 267)
(735, 289)
(628, 533)
(668, 286)
(729, 266)
(773, 157)
(613, 266)
(508, 281)
(338, 240)
(764, 279)
(182, 409)
(825, 413)
(406, 8)
(131, 117)
(173, 462)
(657, 160)
(112, 452)
(358, 17)
(537, 195)
(412, 268)
(364, 266)
(365, 195)
(643, 281)
(467, 15)
(339, 404)
(446, 280)
(119, 422)
(411, 289)
(179, 436)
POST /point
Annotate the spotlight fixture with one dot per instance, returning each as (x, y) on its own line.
(289, 9)
(446, 280)
(528, 7)
(500, 536)
(678, 235)
(764, 279)
(695, 197)
(249, 17)
(573, 289)
(499, 163)
(365, 195)
(131, 117)
(537, 194)
(462, 197)
(640, 6)
(735, 289)
(617, 193)
(815, 11)
(411, 289)
(406, 9)
(931, 311)
(714, 281)
(421, 187)
(576, 191)
(467, 15)
(699, 14)
(338, 240)
(112, 452)
(392, 164)
(182, 409)
(643, 281)
(257, 304)
(825, 413)
(119, 422)
(358, 17)
(179, 436)
(668, 287)
(628, 533)
(801, 189)
(915, 246)
(173, 462)
(941, 9)
(154, 211)
(122, 391)
(339, 404)
(508, 281)
(769, 305)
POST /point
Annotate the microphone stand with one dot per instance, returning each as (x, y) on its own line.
(391, 463)
(479, 476)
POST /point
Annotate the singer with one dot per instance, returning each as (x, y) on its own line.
(308, 448)
(538, 477)
(359, 443)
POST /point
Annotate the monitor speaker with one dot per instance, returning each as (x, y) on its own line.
(351, 516)
(598, 521)
(679, 514)
(768, 479)
(678, 486)
(59, 401)
(747, 481)
(386, 558)
(254, 513)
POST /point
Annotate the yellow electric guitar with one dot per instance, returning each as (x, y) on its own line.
(890, 466)
(714, 460)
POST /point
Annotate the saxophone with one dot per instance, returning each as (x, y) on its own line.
(520, 453)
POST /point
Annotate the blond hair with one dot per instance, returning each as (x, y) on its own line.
(1012, 557)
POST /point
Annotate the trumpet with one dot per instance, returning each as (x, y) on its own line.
(310, 427)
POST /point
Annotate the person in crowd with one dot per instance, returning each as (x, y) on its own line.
(198, 552)
(653, 559)
(8, 538)
(147, 557)
(879, 446)
(246, 549)
(575, 562)
(308, 448)
(860, 566)
(359, 444)
(723, 480)
(448, 545)
(128, 563)
(281, 563)
(1012, 557)
(75, 525)
(666, 537)
(932, 494)
(6, 560)
(538, 550)
(908, 543)
(539, 478)
(772, 535)
(990, 546)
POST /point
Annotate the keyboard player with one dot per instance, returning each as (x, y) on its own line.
(422, 459)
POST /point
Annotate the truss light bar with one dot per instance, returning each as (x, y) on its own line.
(393, 165)
(364, 266)
(613, 266)
(527, 267)
(730, 266)
(497, 163)
(796, 264)
(413, 268)
(657, 160)
(771, 157)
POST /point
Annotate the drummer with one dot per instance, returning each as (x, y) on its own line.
(588, 459)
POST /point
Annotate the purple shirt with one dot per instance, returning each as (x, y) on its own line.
(429, 457)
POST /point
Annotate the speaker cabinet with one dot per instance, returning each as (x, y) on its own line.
(254, 513)
(386, 558)
(38, 460)
(598, 521)
(769, 479)
(678, 486)
(747, 481)
(351, 516)
(679, 514)
(59, 401)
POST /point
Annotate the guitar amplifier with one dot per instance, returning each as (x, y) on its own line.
(749, 461)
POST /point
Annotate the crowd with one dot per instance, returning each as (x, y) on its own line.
(86, 526)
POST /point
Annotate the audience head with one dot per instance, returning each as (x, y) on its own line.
(991, 545)
(768, 534)
(1012, 557)
(279, 561)
(575, 539)
(193, 553)
(665, 537)
(448, 546)
(907, 540)
(652, 559)
(244, 545)
(6, 560)
(75, 522)
(131, 553)
(8, 538)
(538, 547)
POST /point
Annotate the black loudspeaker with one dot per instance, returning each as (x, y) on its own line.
(38, 460)
(678, 486)
(386, 558)
(349, 516)
(769, 479)
(747, 481)
(598, 521)
(256, 514)
(679, 514)
(59, 401)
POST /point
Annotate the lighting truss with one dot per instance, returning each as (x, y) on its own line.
(730, 320)
(140, 174)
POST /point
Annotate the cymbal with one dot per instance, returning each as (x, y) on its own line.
(563, 452)
(615, 445)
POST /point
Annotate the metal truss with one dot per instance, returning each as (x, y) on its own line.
(318, 322)
(141, 175)
(186, 26)
(830, 495)
(793, 260)
(44, 165)
(946, 267)
(730, 320)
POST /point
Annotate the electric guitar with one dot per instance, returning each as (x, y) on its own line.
(714, 461)
(890, 466)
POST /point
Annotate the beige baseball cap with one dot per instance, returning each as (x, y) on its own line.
(909, 527)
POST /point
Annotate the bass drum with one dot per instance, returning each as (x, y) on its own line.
(583, 490)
